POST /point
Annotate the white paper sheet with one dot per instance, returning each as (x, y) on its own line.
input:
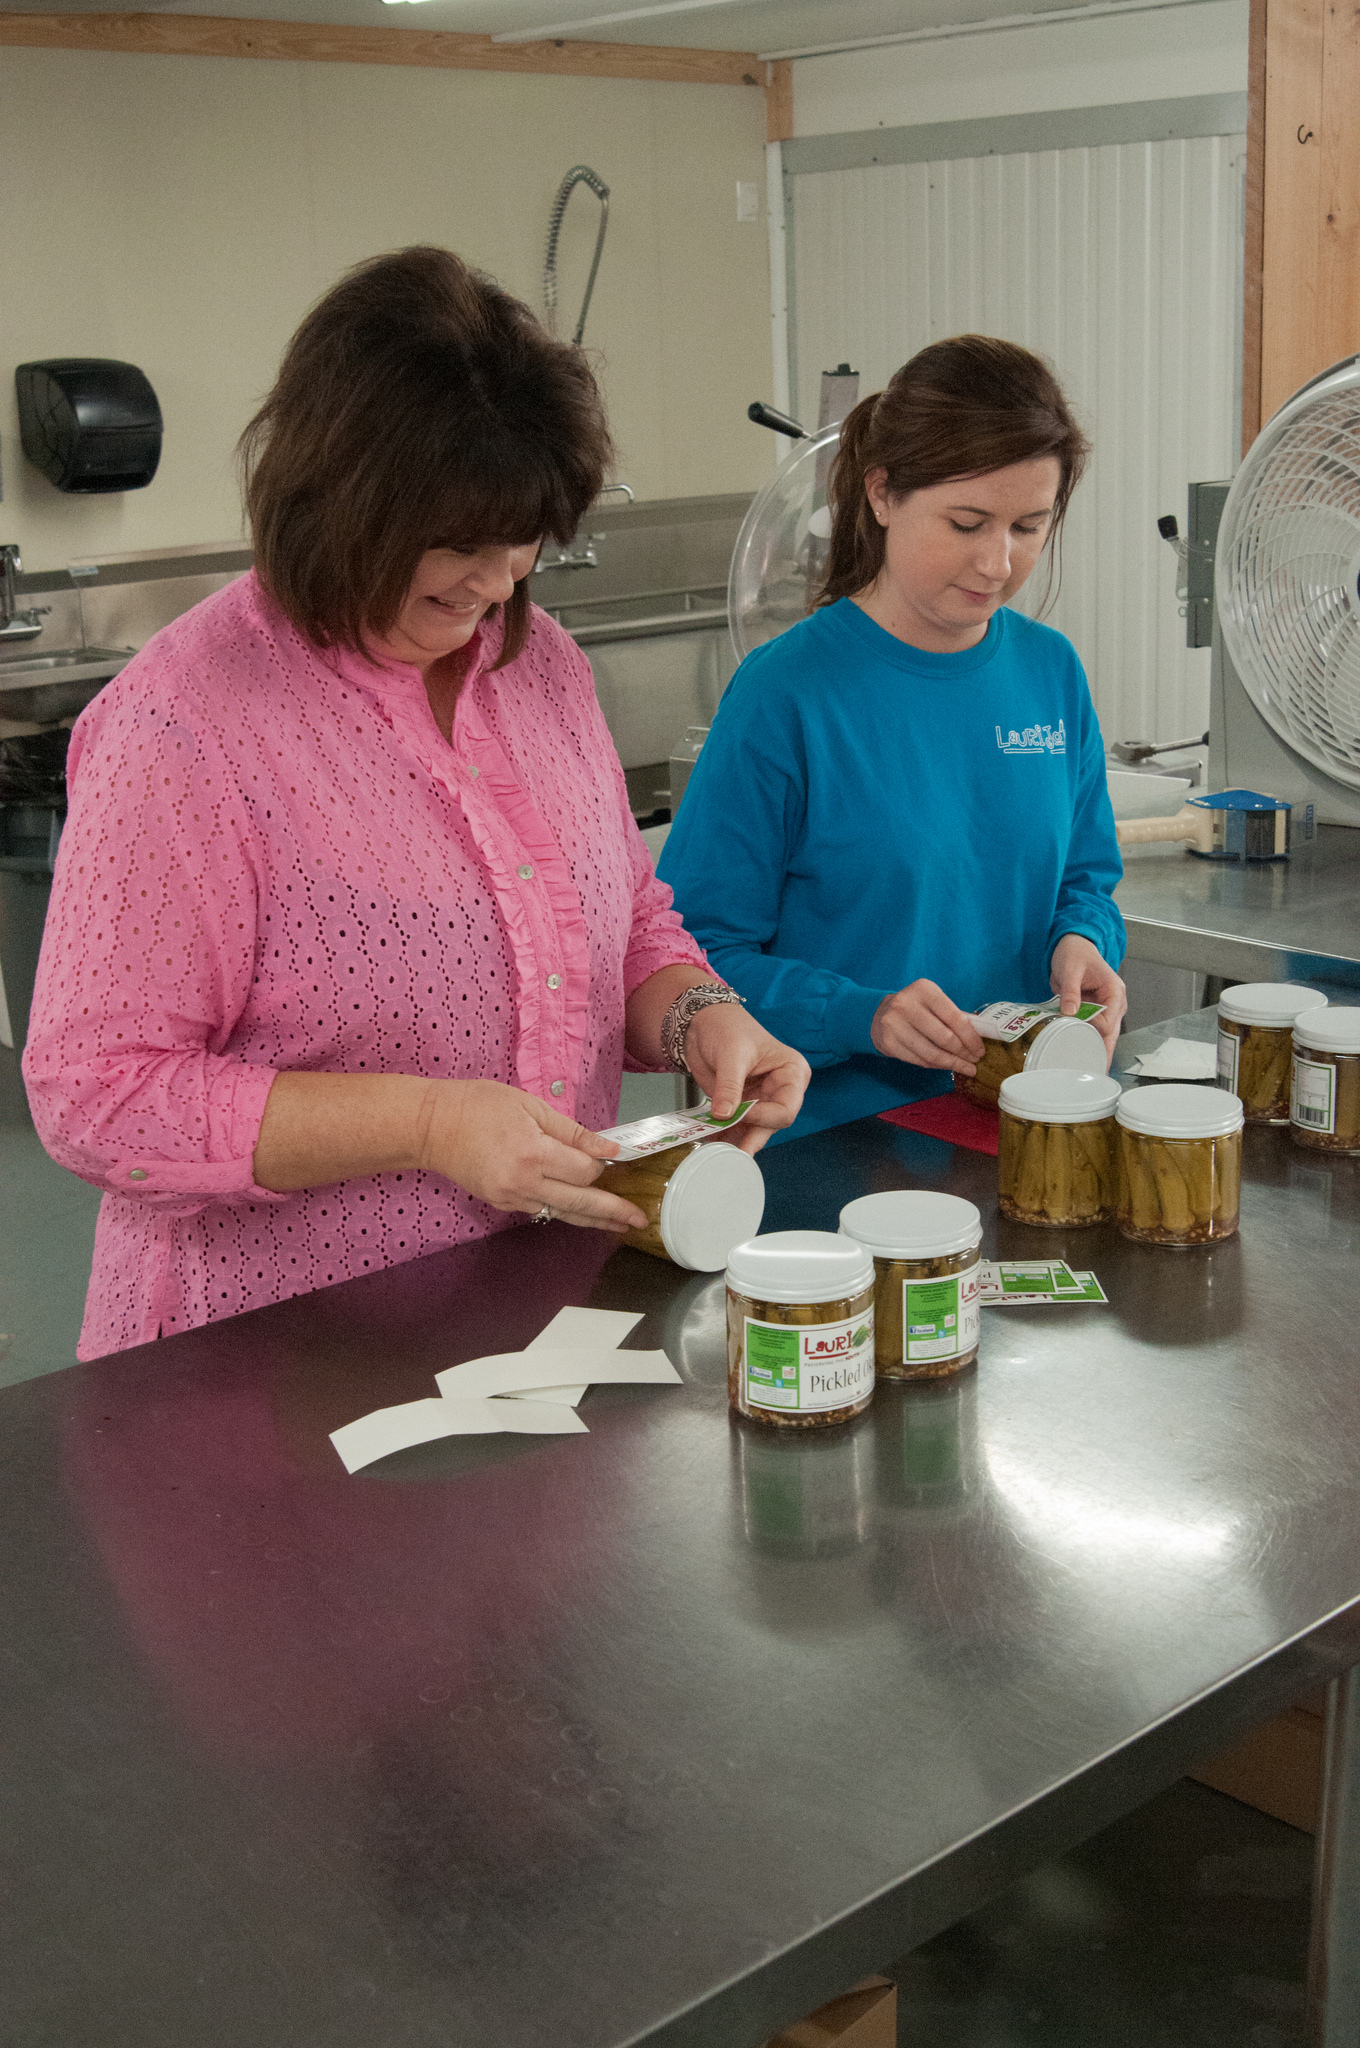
(606, 1327)
(422, 1422)
(1179, 1059)
(535, 1371)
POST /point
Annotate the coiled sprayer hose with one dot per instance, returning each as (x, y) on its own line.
(580, 174)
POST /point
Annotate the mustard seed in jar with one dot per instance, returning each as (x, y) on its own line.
(1049, 1042)
(926, 1250)
(1325, 1101)
(1056, 1155)
(1256, 1022)
(800, 1329)
(699, 1201)
(1180, 1164)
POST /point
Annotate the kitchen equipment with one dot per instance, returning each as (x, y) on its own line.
(781, 539)
(89, 424)
(1286, 619)
(579, 174)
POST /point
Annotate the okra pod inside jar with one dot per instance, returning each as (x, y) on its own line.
(1256, 1022)
(926, 1251)
(1180, 1163)
(1049, 1042)
(1325, 1104)
(699, 1201)
(800, 1329)
(1056, 1157)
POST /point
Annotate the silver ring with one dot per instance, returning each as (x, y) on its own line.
(545, 1215)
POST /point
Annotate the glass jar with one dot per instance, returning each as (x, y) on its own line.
(800, 1329)
(1056, 1155)
(1049, 1042)
(1324, 1111)
(700, 1201)
(1180, 1163)
(926, 1250)
(1256, 1022)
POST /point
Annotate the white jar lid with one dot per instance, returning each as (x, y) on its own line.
(1068, 1042)
(1269, 1002)
(1335, 1030)
(912, 1224)
(1177, 1109)
(713, 1201)
(797, 1266)
(1059, 1097)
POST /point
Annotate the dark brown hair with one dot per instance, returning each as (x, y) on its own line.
(958, 408)
(417, 406)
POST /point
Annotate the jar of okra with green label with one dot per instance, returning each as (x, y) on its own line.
(926, 1251)
(800, 1329)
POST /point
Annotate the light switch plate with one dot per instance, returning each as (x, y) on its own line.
(748, 200)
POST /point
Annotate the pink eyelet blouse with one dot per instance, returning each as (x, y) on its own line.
(274, 860)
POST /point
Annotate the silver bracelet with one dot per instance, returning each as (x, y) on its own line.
(682, 1013)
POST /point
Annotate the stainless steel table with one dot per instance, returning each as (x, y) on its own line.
(665, 1734)
(1296, 920)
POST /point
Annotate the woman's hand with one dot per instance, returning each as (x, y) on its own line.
(511, 1150)
(921, 1025)
(1080, 973)
(731, 1058)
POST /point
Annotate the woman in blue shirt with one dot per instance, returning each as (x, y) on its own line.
(901, 811)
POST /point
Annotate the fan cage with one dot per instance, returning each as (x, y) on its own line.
(1286, 576)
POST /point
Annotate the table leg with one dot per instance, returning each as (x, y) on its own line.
(1334, 1949)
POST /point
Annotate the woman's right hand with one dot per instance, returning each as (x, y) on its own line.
(921, 1025)
(509, 1149)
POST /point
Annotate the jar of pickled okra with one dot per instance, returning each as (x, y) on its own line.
(1324, 1111)
(1056, 1155)
(800, 1329)
(926, 1251)
(1256, 1022)
(1180, 1163)
(699, 1201)
(1068, 1042)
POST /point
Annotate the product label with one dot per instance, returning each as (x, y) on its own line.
(1227, 1061)
(1009, 1021)
(677, 1127)
(940, 1318)
(1020, 1282)
(810, 1368)
(1312, 1096)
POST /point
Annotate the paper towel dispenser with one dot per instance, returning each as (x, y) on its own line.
(89, 424)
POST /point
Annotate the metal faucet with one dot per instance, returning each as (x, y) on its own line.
(585, 558)
(14, 624)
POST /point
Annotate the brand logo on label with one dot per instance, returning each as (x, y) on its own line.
(1035, 739)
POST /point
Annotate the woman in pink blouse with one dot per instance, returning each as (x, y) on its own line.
(352, 932)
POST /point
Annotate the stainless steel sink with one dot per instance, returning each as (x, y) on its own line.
(40, 686)
(645, 616)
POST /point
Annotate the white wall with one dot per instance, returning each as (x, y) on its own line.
(1166, 53)
(181, 213)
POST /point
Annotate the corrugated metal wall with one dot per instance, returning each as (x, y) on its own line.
(1121, 265)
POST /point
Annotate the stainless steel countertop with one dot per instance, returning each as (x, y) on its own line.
(667, 1733)
(1294, 920)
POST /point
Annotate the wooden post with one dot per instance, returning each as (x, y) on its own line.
(779, 100)
(1304, 175)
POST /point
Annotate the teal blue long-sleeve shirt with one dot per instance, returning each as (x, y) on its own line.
(864, 815)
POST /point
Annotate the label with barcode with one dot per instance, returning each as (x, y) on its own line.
(1312, 1100)
(1227, 1060)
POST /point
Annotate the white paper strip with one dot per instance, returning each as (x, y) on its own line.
(421, 1422)
(1178, 1059)
(606, 1327)
(528, 1372)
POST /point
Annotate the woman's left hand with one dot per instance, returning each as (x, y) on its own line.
(731, 1058)
(1079, 973)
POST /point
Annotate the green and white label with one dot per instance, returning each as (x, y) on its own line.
(1227, 1060)
(940, 1318)
(1312, 1102)
(810, 1367)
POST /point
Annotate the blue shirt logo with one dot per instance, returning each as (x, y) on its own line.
(1035, 739)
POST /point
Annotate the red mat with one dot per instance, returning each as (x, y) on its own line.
(951, 1117)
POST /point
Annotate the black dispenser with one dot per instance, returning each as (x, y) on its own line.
(89, 424)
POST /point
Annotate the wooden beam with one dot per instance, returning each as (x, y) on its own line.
(1338, 307)
(1255, 224)
(1292, 199)
(199, 35)
(779, 101)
